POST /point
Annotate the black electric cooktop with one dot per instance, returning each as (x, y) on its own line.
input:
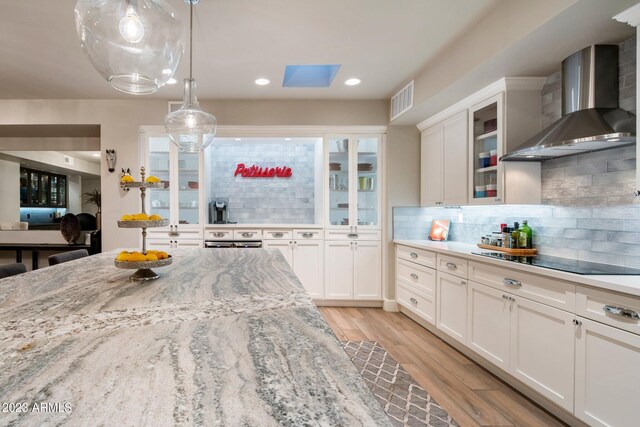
(564, 264)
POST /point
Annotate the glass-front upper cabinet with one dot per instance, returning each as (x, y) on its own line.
(353, 181)
(486, 139)
(179, 201)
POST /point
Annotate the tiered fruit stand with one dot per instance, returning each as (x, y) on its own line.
(143, 268)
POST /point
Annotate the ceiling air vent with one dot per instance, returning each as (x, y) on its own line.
(402, 101)
(68, 160)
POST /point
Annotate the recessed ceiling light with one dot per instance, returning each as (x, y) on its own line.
(262, 82)
(352, 82)
(171, 81)
(238, 139)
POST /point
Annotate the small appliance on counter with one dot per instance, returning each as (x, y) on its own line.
(218, 213)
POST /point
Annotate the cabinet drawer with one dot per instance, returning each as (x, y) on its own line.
(175, 232)
(453, 265)
(621, 311)
(347, 235)
(247, 234)
(307, 234)
(419, 256)
(417, 302)
(277, 234)
(225, 234)
(553, 292)
(419, 276)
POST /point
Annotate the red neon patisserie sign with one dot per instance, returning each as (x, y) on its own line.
(260, 172)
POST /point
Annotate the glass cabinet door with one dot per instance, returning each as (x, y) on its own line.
(188, 190)
(159, 163)
(338, 181)
(24, 191)
(367, 181)
(44, 190)
(53, 193)
(62, 191)
(485, 151)
(34, 188)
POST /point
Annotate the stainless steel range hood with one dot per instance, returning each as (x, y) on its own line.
(591, 119)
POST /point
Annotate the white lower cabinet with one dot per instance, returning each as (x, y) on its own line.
(451, 306)
(163, 244)
(542, 349)
(488, 323)
(306, 259)
(607, 375)
(353, 270)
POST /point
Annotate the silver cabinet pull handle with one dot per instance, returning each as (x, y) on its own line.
(413, 255)
(278, 235)
(505, 297)
(352, 235)
(414, 276)
(462, 282)
(512, 282)
(452, 266)
(413, 300)
(577, 322)
(247, 234)
(307, 235)
(218, 234)
(622, 312)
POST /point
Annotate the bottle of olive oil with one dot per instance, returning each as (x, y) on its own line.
(515, 236)
(525, 236)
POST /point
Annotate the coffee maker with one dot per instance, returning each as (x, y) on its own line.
(218, 213)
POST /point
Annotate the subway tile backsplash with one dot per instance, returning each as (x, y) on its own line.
(607, 234)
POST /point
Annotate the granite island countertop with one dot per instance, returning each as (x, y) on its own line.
(223, 337)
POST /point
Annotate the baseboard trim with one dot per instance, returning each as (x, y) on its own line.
(549, 406)
(346, 303)
(390, 305)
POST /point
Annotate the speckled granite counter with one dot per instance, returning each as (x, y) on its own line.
(224, 337)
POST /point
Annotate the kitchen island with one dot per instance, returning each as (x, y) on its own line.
(223, 337)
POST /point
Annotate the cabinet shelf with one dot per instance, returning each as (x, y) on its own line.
(487, 135)
(488, 169)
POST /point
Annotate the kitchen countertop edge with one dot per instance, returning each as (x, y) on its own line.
(625, 284)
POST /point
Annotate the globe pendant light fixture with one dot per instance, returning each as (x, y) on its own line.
(136, 45)
(190, 128)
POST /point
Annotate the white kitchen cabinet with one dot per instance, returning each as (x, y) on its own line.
(181, 200)
(338, 269)
(501, 123)
(353, 169)
(542, 349)
(164, 244)
(353, 270)
(443, 158)
(306, 258)
(451, 306)
(607, 385)
(488, 323)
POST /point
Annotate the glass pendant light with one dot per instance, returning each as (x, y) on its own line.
(136, 45)
(190, 128)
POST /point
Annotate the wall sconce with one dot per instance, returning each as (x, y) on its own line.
(111, 160)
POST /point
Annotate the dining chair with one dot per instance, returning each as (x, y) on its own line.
(67, 256)
(12, 269)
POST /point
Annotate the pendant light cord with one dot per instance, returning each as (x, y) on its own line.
(191, 39)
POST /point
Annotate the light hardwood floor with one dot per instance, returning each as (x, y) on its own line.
(469, 393)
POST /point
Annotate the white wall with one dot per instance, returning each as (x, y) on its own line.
(120, 120)
(9, 191)
(402, 168)
(74, 201)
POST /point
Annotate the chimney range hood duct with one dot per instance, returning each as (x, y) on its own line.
(591, 119)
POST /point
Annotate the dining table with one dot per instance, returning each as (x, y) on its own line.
(224, 337)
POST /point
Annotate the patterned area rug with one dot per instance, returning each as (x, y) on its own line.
(404, 401)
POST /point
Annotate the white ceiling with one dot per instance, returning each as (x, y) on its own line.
(382, 42)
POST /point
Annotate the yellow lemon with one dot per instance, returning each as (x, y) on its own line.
(123, 256)
(126, 178)
(162, 255)
(137, 256)
(151, 257)
(155, 217)
(152, 178)
(140, 217)
(126, 218)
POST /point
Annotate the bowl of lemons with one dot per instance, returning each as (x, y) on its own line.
(141, 260)
(142, 220)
